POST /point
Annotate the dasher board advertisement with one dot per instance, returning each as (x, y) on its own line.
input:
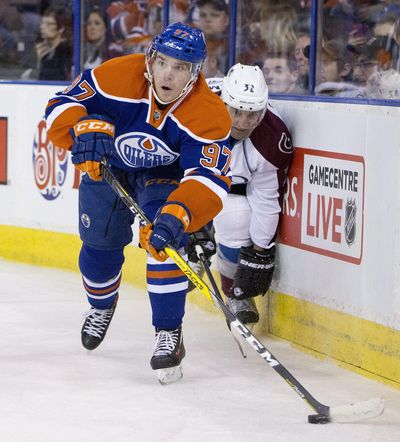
(323, 208)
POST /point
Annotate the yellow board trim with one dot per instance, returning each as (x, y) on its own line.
(368, 347)
(363, 346)
(61, 250)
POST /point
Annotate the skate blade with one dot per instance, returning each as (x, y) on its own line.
(169, 375)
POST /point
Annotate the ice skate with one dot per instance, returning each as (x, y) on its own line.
(95, 326)
(168, 353)
(244, 309)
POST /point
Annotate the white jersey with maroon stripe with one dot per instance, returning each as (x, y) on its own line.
(260, 162)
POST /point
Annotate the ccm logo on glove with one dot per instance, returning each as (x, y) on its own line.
(86, 126)
(93, 141)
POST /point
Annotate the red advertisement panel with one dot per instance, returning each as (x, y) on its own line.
(323, 209)
(3, 150)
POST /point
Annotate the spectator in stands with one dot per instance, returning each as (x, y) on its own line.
(213, 18)
(267, 27)
(53, 51)
(278, 27)
(333, 70)
(368, 58)
(96, 45)
(214, 22)
(302, 62)
(128, 25)
(363, 67)
(280, 72)
(373, 56)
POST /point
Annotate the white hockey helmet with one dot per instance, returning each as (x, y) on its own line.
(244, 88)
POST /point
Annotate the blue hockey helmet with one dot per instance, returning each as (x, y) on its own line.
(182, 42)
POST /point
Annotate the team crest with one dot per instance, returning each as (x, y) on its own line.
(350, 221)
(138, 149)
(285, 144)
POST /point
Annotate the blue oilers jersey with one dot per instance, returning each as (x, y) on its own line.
(193, 130)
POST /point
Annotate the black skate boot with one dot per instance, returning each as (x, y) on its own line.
(95, 326)
(168, 353)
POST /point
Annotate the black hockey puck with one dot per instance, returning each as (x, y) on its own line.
(318, 419)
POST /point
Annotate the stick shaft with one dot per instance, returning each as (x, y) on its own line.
(216, 297)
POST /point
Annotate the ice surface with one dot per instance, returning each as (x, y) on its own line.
(52, 389)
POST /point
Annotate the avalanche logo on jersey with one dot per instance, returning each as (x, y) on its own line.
(139, 149)
(285, 144)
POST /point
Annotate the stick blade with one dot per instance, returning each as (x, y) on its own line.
(358, 411)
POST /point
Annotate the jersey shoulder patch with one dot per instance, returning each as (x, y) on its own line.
(272, 139)
(123, 77)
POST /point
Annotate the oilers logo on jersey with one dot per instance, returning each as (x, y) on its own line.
(139, 149)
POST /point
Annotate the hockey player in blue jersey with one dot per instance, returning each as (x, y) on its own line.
(165, 136)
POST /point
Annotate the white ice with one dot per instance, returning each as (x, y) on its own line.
(51, 389)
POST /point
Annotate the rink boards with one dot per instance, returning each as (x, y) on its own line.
(336, 288)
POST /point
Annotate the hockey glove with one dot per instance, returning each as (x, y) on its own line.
(168, 229)
(93, 140)
(205, 238)
(254, 273)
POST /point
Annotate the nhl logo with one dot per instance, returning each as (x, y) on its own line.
(350, 221)
(157, 114)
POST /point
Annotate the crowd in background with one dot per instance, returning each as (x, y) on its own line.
(357, 47)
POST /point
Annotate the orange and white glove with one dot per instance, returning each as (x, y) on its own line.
(167, 229)
(93, 141)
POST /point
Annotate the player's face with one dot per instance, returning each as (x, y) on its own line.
(243, 122)
(170, 76)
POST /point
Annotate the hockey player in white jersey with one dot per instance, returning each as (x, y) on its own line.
(246, 228)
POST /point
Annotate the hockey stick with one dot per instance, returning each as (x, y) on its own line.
(325, 414)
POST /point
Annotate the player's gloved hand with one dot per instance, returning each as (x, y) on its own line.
(93, 140)
(167, 229)
(205, 238)
(254, 273)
